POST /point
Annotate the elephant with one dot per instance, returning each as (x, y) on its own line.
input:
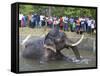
(49, 47)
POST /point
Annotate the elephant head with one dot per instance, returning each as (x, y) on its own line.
(57, 40)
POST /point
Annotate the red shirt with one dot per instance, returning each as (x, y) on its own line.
(61, 21)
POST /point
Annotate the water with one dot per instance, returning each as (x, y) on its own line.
(88, 60)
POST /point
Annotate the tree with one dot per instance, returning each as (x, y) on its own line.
(58, 11)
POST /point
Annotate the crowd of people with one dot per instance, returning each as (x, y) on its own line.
(73, 24)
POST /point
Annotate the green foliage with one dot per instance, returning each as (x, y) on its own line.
(58, 11)
(26, 9)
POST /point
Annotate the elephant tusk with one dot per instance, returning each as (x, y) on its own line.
(78, 42)
(49, 47)
(25, 40)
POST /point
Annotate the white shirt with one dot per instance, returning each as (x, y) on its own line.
(92, 26)
(20, 16)
(89, 22)
(65, 19)
(41, 17)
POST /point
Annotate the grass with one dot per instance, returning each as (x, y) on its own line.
(33, 31)
(40, 31)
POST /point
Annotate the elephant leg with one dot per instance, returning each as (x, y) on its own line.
(59, 55)
(62, 57)
(76, 52)
(44, 58)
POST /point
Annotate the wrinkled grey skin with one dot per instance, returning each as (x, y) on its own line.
(56, 39)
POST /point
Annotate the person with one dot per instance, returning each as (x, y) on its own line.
(86, 23)
(78, 26)
(55, 22)
(33, 21)
(89, 25)
(23, 21)
(20, 18)
(73, 26)
(92, 27)
(41, 20)
(29, 19)
(71, 20)
(38, 20)
(65, 23)
(61, 23)
(50, 22)
(44, 21)
(82, 24)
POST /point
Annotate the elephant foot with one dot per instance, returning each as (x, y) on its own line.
(42, 62)
(81, 61)
(67, 59)
(73, 60)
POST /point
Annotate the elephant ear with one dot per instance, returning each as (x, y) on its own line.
(49, 44)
